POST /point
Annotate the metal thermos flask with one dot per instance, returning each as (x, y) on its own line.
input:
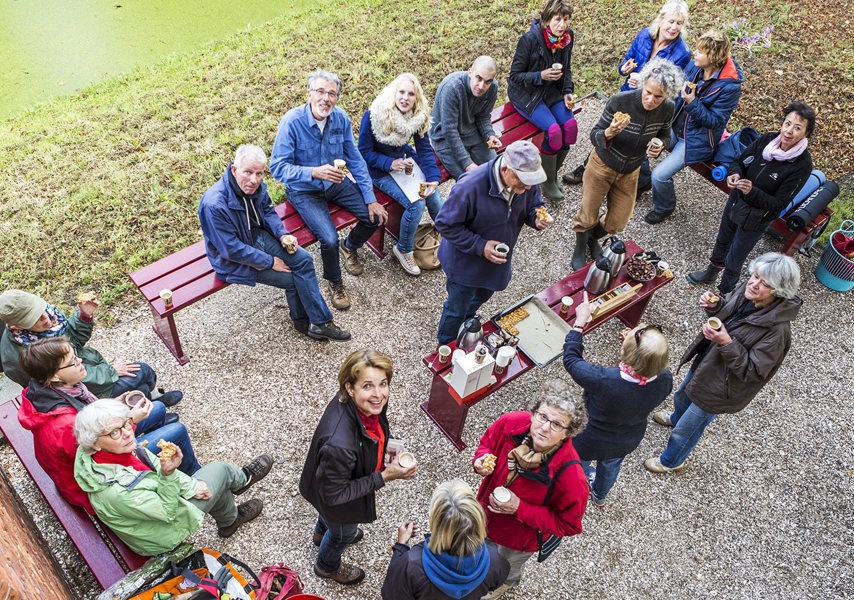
(470, 334)
(598, 276)
(615, 251)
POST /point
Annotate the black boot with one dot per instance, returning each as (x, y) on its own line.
(574, 176)
(710, 275)
(593, 244)
(579, 256)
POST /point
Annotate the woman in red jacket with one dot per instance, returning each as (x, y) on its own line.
(532, 451)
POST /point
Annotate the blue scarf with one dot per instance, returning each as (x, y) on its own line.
(59, 323)
(455, 576)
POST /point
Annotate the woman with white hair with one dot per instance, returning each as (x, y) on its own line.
(454, 561)
(733, 357)
(399, 114)
(143, 497)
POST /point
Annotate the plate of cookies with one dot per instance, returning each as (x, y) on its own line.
(540, 330)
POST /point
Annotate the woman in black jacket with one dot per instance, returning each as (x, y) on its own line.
(765, 178)
(344, 467)
(542, 93)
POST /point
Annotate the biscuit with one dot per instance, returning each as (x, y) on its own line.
(542, 213)
(86, 297)
(508, 321)
(167, 450)
(488, 463)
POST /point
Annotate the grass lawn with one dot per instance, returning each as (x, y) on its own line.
(96, 185)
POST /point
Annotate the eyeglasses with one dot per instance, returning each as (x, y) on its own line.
(640, 332)
(328, 93)
(761, 281)
(117, 432)
(542, 419)
(74, 362)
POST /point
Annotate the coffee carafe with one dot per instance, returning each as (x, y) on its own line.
(615, 251)
(598, 276)
(470, 334)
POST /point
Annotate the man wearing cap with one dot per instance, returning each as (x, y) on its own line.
(461, 131)
(29, 318)
(484, 212)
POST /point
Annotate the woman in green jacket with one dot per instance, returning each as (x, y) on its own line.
(144, 499)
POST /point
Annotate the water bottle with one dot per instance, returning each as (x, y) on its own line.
(719, 172)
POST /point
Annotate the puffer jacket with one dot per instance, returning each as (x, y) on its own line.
(728, 377)
(339, 477)
(525, 87)
(702, 123)
(641, 48)
(149, 512)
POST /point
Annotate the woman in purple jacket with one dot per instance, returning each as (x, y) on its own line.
(399, 114)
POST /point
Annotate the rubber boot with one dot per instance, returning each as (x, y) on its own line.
(579, 254)
(710, 275)
(596, 234)
(550, 189)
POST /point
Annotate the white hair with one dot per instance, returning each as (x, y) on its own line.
(663, 73)
(779, 271)
(249, 152)
(94, 419)
(321, 74)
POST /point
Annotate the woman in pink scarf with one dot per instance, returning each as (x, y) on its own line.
(765, 178)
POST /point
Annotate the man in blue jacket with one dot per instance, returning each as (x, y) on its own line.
(311, 138)
(482, 216)
(247, 243)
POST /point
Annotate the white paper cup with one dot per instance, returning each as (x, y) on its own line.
(406, 460)
(502, 494)
(339, 164)
(444, 353)
(557, 66)
(635, 76)
(166, 296)
(505, 356)
(133, 398)
(502, 248)
(565, 303)
(715, 323)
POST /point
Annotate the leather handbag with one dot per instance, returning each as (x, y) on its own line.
(426, 245)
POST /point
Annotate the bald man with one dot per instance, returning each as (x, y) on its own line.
(461, 132)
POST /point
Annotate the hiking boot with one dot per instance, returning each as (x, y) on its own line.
(317, 538)
(351, 259)
(245, 513)
(662, 417)
(339, 295)
(654, 218)
(255, 472)
(407, 261)
(653, 465)
(575, 176)
(301, 325)
(710, 275)
(346, 574)
(579, 254)
(328, 331)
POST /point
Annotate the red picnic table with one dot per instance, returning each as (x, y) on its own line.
(448, 410)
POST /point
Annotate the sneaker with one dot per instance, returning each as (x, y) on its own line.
(596, 501)
(662, 417)
(255, 472)
(407, 261)
(170, 398)
(245, 513)
(498, 592)
(351, 259)
(316, 537)
(654, 218)
(328, 331)
(346, 574)
(653, 465)
(340, 300)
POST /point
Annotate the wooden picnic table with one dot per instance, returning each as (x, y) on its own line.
(448, 410)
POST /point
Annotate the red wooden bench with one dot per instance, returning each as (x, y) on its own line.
(793, 241)
(190, 276)
(106, 555)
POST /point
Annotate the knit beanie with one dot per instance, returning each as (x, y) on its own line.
(20, 308)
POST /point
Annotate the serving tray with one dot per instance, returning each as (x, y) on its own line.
(541, 333)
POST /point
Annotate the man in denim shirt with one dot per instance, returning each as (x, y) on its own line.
(310, 138)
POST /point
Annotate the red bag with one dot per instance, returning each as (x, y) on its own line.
(278, 579)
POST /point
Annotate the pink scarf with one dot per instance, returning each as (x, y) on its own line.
(631, 373)
(773, 151)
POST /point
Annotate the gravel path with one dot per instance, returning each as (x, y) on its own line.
(762, 511)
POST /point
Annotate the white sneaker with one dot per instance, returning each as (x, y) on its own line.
(407, 261)
(662, 417)
(653, 465)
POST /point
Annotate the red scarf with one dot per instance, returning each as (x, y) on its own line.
(631, 373)
(128, 459)
(374, 430)
(556, 43)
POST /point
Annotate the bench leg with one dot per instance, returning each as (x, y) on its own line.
(446, 412)
(166, 330)
(377, 242)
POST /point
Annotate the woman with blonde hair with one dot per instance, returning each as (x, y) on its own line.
(454, 560)
(618, 399)
(401, 113)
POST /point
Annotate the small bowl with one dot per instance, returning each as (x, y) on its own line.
(640, 269)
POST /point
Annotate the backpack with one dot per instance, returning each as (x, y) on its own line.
(208, 570)
(278, 582)
(731, 148)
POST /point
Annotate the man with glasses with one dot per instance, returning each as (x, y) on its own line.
(311, 138)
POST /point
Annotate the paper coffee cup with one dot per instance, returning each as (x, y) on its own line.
(502, 494)
(565, 303)
(290, 243)
(715, 323)
(505, 356)
(406, 460)
(634, 76)
(166, 296)
(655, 144)
(502, 248)
(133, 398)
(408, 167)
(444, 353)
(340, 164)
(422, 188)
(557, 66)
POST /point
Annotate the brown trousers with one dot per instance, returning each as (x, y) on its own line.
(619, 190)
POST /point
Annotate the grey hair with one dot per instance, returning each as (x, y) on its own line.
(94, 419)
(559, 395)
(663, 73)
(249, 152)
(671, 7)
(321, 74)
(779, 271)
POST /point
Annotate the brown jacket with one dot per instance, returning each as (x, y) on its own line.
(728, 377)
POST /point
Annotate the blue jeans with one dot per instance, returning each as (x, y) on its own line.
(178, 435)
(336, 537)
(413, 210)
(479, 153)
(311, 206)
(557, 121)
(463, 303)
(154, 420)
(143, 380)
(663, 191)
(732, 246)
(689, 422)
(300, 285)
(606, 473)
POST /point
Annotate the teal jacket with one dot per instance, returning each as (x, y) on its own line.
(100, 376)
(149, 512)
